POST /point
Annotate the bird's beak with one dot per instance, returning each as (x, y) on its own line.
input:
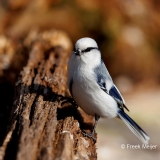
(77, 52)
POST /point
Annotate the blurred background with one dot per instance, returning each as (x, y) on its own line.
(128, 35)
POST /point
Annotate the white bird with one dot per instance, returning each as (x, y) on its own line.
(92, 87)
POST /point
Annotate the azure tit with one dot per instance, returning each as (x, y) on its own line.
(92, 87)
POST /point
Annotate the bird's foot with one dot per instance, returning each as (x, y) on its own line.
(90, 135)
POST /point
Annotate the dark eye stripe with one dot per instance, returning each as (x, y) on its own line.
(89, 49)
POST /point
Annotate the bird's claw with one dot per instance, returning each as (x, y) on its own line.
(90, 135)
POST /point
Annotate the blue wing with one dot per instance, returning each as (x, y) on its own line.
(117, 96)
(103, 76)
(115, 93)
(106, 84)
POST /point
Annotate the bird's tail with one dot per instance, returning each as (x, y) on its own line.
(134, 127)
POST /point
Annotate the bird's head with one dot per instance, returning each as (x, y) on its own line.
(86, 49)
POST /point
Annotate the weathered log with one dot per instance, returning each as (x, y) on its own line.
(41, 126)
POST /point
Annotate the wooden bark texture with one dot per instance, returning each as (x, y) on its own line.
(41, 127)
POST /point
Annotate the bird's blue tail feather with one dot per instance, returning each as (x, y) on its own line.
(134, 127)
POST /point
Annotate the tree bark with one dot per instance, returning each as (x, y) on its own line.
(41, 126)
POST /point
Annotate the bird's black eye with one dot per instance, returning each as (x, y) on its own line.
(89, 49)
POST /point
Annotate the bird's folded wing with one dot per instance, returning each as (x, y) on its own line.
(105, 82)
(114, 92)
